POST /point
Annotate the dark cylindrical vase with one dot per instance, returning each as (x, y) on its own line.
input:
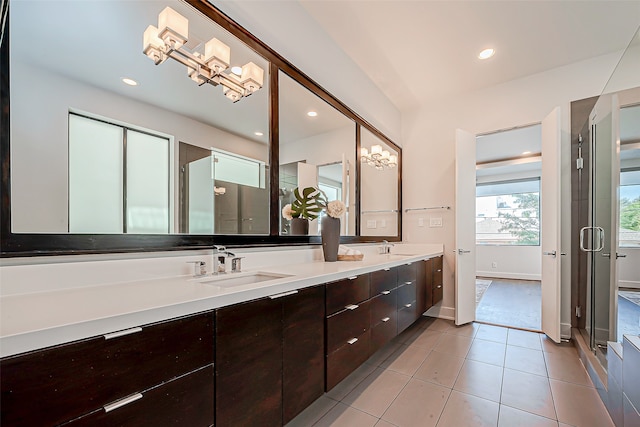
(330, 238)
(299, 226)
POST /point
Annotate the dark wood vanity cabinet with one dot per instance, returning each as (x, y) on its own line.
(269, 358)
(384, 310)
(58, 384)
(437, 288)
(407, 295)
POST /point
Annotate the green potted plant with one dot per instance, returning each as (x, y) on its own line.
(306, 207)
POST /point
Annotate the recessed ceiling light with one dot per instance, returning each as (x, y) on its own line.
(236, 70)
(129, 81)
(258, 133)
(486, 54)
(312, 114)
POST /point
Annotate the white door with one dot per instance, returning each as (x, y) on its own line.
(550, 225)
(465, 287)
(615, 218)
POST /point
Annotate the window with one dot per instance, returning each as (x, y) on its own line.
(629, 208)
(508, 213)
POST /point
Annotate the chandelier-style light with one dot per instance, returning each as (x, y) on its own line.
(167, 41)
(378, 158)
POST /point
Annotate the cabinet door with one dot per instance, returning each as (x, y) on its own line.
(303, 352)
(346, 292)
(383, 280)
(424, 286)
(185, 401)
(347, 325)
(249, 364)
(437, 279)
(347, 358)
(47, 387)
(407, 312)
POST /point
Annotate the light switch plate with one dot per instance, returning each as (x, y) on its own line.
(435, 222)
(420, 222)
(371, 223)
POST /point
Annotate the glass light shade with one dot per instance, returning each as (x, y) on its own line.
(364, 153)
(152, 45)
(393, 161)
(376, 151)
(385, 155)
(173, 27)
(252, 77)
(217, 55)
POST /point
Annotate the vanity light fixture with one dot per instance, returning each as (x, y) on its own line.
(312, 114)
(236, 70)
(487, 53)
(378, 158)
(167, 41)
(129, 81)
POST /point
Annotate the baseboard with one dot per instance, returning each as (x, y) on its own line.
(629, 284)
(448, 313)
(505, 275)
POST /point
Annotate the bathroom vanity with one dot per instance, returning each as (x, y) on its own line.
(249, 354)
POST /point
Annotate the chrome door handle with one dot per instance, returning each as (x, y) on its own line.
(552, 253)
(620, 255)
(462, 251)
(600, 231)
(606, 255)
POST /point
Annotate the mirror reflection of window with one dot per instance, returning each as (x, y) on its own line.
(158, 99)
(378, 187)
(317, 149)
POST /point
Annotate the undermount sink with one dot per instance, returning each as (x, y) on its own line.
(230, 280)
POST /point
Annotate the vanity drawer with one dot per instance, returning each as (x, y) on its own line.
(383, 280)
(346, 359)
(342, 293)
(347, 324)
(406, 294)
(407, 273)
(57, 384)
(407, 314)
(437, 293)
(384, 332)
(383, 306)
(437, 271)
(185, 401)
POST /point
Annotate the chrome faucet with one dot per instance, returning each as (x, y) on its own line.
(385, 248)
(220, 255)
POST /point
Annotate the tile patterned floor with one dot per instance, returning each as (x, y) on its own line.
(438, 374)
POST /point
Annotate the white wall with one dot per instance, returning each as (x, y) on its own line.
(428, 141)
(39, 184)
(629, 268)
(512, 262)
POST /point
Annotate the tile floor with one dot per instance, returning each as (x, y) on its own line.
(511, 302)
(437, 374)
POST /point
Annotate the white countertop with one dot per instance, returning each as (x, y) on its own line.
(42, 319)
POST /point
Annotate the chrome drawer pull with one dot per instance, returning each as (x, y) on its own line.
(353, 277)
(438, 287)
(409, 263)
(409, 282)
(351, 307)
(284, 294)
(386, 319)
(386, 269)
(407, 305)
(352, 341)
(124, 401)
(386, 292)
(438, 270)
(122, 333)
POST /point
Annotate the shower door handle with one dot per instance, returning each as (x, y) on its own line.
(600, 231)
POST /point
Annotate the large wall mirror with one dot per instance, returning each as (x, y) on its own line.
(93, 154)
(115, 140)
(317, 149)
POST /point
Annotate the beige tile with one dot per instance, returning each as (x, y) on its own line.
(464, 410)
(565, 368)
(342, 415)
(383, 423)
(511, 417)
(492, 333)
(525, 359)
(313, 413)
(406, 360)
(480, 379)
(407, 335)
(524, 339)
(440, 368)
(456, 345)
(527, 392)
(382, 354)
(346, 385)
(468, 330)
(377, 391)
(438, 324)
(425, 338)
(487, 352)
(419, 404)
(548, 346)
(579, 405)
(423, 321)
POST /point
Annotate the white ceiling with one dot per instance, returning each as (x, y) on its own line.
(417, 51)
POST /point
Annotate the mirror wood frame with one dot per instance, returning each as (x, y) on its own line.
(41, 244)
